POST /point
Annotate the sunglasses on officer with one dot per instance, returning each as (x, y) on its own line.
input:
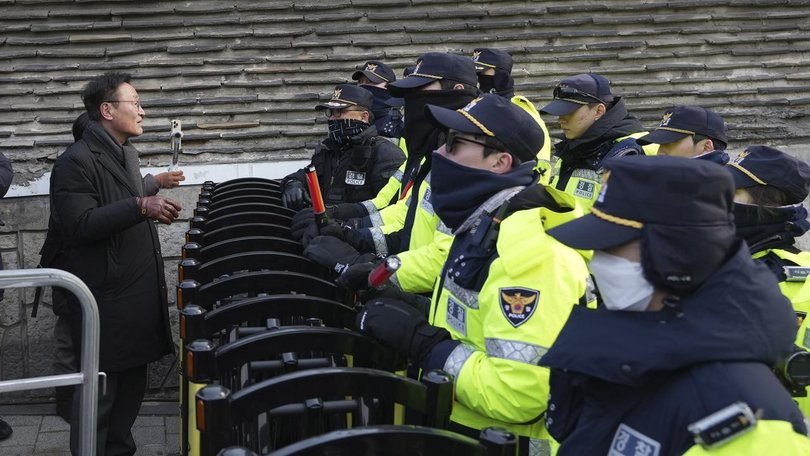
(329, 112)
(566, 92)
(490, 145)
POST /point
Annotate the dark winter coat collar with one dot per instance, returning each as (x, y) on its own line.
(739, 314)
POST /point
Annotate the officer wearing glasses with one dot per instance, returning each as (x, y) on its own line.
(596, 125)
(353, 163)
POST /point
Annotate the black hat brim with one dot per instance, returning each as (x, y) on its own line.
(741, 180)
(451, 119)
(405, 85)
(395, 102)
(332, 105)
(660, 137)
(560, 107)
(371, 76)
(589, 232)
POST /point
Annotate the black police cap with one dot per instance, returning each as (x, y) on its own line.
(574, 92)
(651, 190)
(492, 58)
(346, 95)
(376, 72)
(494, 116)
(435, 66)
(682, 121)
(763, 165)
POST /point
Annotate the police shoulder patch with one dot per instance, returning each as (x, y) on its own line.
(518, 304)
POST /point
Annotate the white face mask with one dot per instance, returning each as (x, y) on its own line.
(621, 282)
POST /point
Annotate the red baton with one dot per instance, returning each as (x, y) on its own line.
(386, 269)
(318, 208)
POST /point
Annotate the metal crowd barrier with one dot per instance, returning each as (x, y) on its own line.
(88, 376)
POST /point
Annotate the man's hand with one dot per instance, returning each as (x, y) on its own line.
(300, 222)
(294, 195)
(159, 208)
(169, 179)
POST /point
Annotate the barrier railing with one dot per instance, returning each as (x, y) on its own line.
(88, 376)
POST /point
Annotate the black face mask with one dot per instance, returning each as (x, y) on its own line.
(774, 227)
(421, 136)
(486, 82)
(341, 130)
(456, 191)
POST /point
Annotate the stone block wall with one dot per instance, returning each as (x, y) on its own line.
(244, 76)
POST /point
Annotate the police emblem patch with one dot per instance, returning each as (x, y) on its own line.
(337, 93)
(665, 120)
(371, 67)
(476, 55)
(355, 178)
(629, 442)
(518, 304)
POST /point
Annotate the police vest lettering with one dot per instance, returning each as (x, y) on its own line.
(629, 442)
(355, 178)
(457, 315)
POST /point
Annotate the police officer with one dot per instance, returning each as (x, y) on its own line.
(494, 69)
(594, 122)
(353, 163)
(410, 227)
(691, 325)
(506, 288)
(691, 132)
(375, 77)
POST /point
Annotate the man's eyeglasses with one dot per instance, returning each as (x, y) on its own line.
(329, 112)
(453, 138)
(137, 102)
(568, 92)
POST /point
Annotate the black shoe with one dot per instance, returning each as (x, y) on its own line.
(5, 430)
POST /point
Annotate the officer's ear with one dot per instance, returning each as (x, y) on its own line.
(708, 145)
(601, 109)
(458, 87)
(503, 163)
(364, 116)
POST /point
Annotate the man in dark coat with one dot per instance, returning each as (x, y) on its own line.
(104, 222)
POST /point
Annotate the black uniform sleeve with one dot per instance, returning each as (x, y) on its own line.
(388, 159)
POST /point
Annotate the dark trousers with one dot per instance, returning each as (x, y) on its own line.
(117, 411)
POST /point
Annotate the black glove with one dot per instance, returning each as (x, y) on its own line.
(332, 228)
(294, 195)
(300, 221)
(355, 277)
(346, 211)
(401, 327)
(334, 253)
(419, 302)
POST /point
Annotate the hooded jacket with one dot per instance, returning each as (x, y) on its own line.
(643, 377)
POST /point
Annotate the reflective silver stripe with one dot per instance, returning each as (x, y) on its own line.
(444, 229)
(398, 175)
(514, 350)
(467, 297)
(370, 207)
(379, 241)
(376, 219)
(457, 358)
(584, 173)
(539, 447)
(427, 178)
(393, 279)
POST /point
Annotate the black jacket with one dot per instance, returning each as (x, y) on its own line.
(105, 241)
(354, 172)
(651, 374)
(588, 151)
